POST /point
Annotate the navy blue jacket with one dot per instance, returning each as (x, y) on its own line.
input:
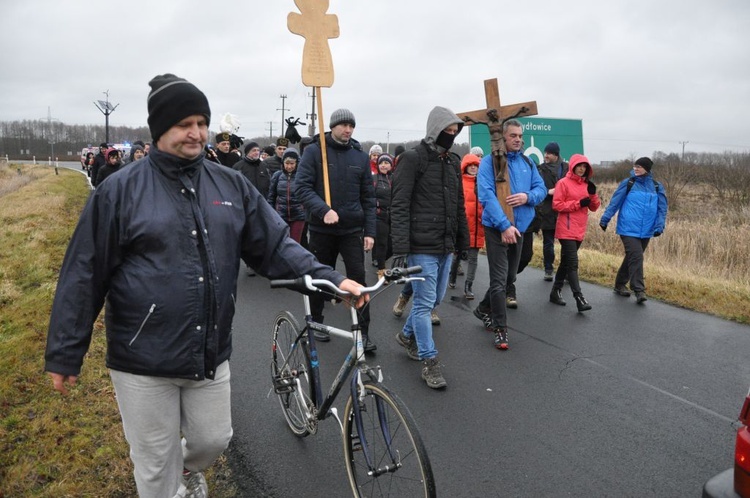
(350, 180)
(161, 241)
(281, 196)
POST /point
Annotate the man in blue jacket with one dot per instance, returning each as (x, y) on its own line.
(161, 241)
(504, 238)
(347, 226)
(642, 205)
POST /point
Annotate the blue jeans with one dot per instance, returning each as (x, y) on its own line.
(428, 294)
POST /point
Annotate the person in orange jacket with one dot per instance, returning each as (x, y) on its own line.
(469, 169)
(575, 195)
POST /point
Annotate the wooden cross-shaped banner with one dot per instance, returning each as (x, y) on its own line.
(493, 117)
(316, 27)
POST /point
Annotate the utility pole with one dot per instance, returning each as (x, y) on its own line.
(283, 101)
(270, 129)
(50, 134)
(683, 148)
(106, 108)
(312, 116)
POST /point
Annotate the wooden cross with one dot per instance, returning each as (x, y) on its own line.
(316, 27)
(493, 117)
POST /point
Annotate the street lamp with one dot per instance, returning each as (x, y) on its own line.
(106, 108)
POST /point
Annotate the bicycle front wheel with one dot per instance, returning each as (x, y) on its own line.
(291, 373)
(398, 464)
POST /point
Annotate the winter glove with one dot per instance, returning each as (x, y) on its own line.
(591, 187)
(399, 261)
(656, 234)
(603, 226)
(464, 255)
(585, 202)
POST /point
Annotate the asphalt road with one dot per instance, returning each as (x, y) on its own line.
(624, 400)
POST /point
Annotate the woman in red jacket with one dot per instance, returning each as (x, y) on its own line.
(469, 168)
(575, 195)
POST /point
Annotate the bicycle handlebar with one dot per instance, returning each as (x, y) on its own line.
(307, 283)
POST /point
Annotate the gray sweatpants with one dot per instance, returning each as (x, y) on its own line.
(173, 424)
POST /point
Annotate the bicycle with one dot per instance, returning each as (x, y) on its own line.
(383, 451)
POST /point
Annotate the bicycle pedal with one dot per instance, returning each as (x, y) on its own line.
(283, 386)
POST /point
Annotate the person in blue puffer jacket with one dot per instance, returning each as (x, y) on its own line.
(281, 195)
(504, 237)
(642, 205)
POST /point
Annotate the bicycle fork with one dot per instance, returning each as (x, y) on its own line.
(357, 408)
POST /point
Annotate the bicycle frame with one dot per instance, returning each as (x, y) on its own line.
(355, 359)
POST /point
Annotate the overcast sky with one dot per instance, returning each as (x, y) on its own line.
(643, 75)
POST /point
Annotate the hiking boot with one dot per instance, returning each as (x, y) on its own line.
(511, 302)
(195, 482)
(485, 317)
(434, 318)
(410, 344)
(556, 297)
(398, 308)
(548, 275)
(468, 294)
(431, 373)
(581, 302)
(621, 290)
(368, 344)
(640, 297)
(501, 339)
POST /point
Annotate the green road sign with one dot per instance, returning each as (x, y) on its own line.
(538, 132)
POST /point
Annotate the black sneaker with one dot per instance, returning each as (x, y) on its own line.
(501, 339)
(410, 344)
(321, 336)
(548, 276)
(369, 346)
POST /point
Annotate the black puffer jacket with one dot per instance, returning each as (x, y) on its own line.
(427, 204)
(281, 196)
(383, 186)
(256, 171)
(546, 217)
(161, 240)
(350, 179)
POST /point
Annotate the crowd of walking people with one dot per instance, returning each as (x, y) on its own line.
(161, 239)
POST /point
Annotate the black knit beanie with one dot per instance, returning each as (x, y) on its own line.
(645, 163)
(171, 100)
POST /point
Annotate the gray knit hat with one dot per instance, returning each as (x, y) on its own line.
(342, 116)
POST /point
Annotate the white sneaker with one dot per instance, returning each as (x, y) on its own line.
(195, 482)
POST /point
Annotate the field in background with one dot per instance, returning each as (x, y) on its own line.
(52, 446)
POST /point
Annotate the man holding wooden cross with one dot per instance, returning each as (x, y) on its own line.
(504, 236)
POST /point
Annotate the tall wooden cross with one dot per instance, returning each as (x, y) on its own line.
(316, 26)
(493, 117)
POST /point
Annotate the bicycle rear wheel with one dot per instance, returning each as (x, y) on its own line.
(291, 373)
(401, 468)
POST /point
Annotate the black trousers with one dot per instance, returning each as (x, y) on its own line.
(503, 262)
(631, 269)
(327, 247)
(383, 248)
(568, 266)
